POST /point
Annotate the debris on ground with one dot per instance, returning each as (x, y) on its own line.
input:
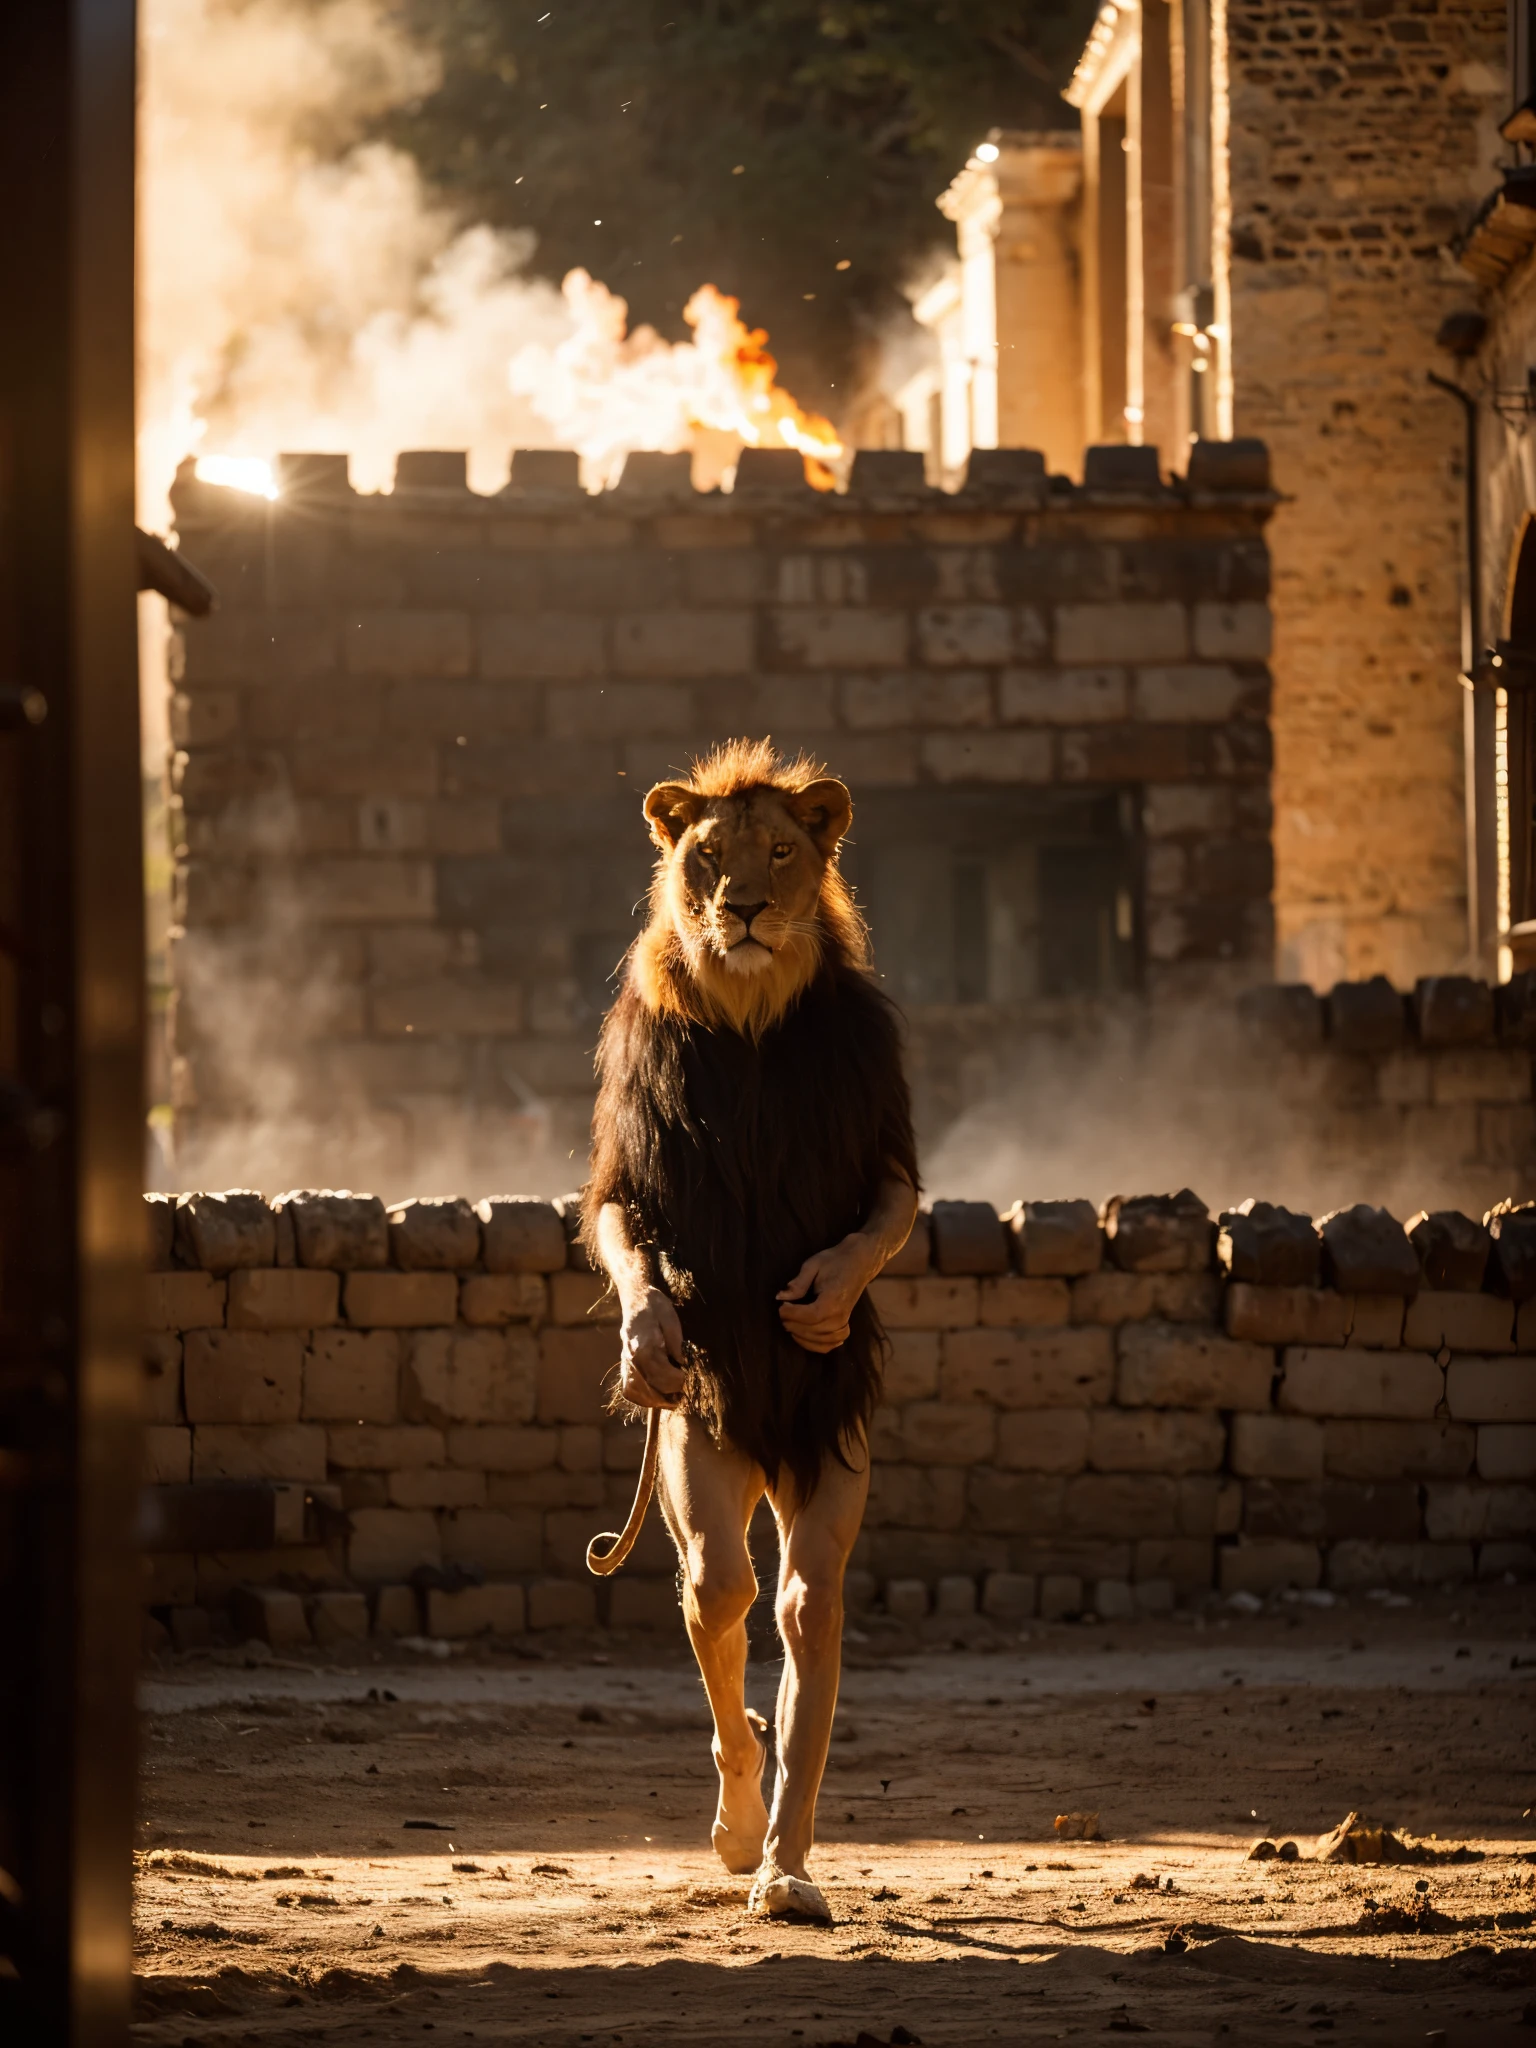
(1078, 1827)
(898, 2037)
(195, 1866)
(1364, 1841)
(1263, 1851)
(1419, 1918)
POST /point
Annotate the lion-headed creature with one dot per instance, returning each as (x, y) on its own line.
(751, 1098)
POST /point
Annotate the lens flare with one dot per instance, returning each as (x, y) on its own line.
(238, 473)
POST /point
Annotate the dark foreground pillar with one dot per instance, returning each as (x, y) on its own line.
(71, 953)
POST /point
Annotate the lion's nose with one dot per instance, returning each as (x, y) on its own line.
(745, 911)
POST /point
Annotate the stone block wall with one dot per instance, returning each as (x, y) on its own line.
(412, 742)
(1363, 139)
(1400, 1097)
(1109, 1411)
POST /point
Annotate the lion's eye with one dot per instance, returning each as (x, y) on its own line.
(782, 852)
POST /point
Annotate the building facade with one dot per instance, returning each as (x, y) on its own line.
(1497, 377)
(1254, 233)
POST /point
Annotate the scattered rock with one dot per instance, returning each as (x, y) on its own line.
(188, 1865)
(898, 2037)
(1365, 1841)
(1419, 1918)
(1078, 1827)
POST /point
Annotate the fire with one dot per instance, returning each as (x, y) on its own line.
(607, 389)
(741, 393)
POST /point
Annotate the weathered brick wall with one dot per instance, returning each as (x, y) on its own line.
(413, 740)
(1429, 1096)
(1363, 138)
(1109, 1412)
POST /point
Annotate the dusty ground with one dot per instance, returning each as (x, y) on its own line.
(565, 1891)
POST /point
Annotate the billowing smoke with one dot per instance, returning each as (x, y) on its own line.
(299, 287)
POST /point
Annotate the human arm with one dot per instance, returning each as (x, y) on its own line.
(838, 1276)
(651, 1336)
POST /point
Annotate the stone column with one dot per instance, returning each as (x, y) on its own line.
(1164, 399)
(1017, 218)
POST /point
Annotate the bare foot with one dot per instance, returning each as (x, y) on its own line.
(741, 1818)
(778, 1896)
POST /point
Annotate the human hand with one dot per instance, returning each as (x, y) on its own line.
(651, 1341)
(836, 1278)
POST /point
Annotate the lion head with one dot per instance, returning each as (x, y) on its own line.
(747, 898)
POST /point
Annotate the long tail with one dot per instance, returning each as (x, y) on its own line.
(603, 1562)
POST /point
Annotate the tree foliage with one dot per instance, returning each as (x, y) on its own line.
(754, 144)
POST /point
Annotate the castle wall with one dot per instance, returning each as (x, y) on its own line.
(412, 743)
(1079, 1413)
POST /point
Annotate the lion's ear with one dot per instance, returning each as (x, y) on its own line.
(670, 808)
(825, 810)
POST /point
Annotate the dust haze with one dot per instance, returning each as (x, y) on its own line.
(1133, 1103)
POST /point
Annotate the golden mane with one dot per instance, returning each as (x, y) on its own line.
(669, 982)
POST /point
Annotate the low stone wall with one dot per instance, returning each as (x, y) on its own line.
(1083, 1410)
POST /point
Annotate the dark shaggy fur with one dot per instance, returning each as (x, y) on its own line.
(734, 1162)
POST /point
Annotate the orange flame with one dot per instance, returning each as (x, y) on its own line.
(740, 393)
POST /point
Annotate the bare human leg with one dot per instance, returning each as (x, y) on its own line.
(707, 1494)
(816, 1537)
